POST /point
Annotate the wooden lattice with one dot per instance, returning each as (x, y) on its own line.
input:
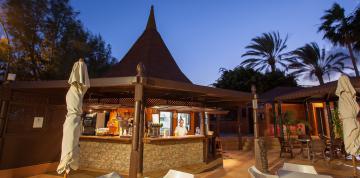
(126, 101)
(149, 102)
(109, 100)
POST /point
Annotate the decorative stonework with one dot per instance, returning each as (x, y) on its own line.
(115, 156)
(105, 156)
(172, 154)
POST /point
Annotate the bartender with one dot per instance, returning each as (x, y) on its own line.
(180, 130)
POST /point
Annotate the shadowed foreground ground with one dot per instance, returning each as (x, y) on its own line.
(236, 163)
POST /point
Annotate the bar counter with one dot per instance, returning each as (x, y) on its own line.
(106, 139)
(112, 153)
(146, 140)
(173, 138)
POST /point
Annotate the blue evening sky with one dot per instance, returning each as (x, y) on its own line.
(205, 35)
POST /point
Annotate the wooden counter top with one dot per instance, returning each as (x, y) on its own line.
(148, 140)
(173, 138)
(106, 139)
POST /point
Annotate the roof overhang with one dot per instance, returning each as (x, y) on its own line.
(326, 91)
(159, 86)
(226, 95)
(59, 84)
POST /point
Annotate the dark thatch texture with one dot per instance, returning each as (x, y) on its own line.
(150, 50)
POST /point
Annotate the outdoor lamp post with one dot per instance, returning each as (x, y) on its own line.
(254, 106)
(261, 162)
(135, 169)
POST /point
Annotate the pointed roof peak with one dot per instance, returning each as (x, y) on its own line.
(150, 50)
(151, 24)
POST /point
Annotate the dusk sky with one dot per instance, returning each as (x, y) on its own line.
(205, 35)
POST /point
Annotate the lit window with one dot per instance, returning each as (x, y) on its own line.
(186, 118)
(165, 120)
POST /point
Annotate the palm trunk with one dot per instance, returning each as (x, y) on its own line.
(273, 68)
(272, 62)
(353, 59)
(321, 80)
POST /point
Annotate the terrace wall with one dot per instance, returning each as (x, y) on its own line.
(23, 145)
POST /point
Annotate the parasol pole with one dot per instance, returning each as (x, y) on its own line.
(354, 164)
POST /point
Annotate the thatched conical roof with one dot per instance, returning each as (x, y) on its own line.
(151, 51)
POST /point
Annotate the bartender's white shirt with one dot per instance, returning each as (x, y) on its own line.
(180, 131)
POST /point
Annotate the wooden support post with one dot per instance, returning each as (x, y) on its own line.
(312, 119)
(135, 151)
(239, 114)
(5, 95)
(274, 115)
(247, 113)
(330, 128)
(217, 124)
(280, 119)
(3, 112)
(307, 130)
(204, 132)
(202, 123)
(141, 140)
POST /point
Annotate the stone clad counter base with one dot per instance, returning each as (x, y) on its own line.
(172, 154)
(114, 155)
(110, 156)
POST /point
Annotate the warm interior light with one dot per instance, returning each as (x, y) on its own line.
(11, 77)
(318, 105)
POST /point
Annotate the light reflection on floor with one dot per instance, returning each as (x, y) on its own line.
(236, 164)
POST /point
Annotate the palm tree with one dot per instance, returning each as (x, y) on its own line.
(310, 60)
(265, 51)
(356, 26)
(339, 30)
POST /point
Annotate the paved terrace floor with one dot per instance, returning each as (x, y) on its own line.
(236, 163)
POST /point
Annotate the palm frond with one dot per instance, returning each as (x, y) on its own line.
(310, 61)
(268, 47)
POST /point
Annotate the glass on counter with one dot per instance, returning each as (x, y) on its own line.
(166, 132)
(197, 131)
(154, 129)
(102, 132)
(125, 127)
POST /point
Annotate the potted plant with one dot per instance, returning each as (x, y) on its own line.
(289, 121)
(337, 124)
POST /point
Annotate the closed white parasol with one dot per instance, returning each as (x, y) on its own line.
(79, 83)
(348, 111)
